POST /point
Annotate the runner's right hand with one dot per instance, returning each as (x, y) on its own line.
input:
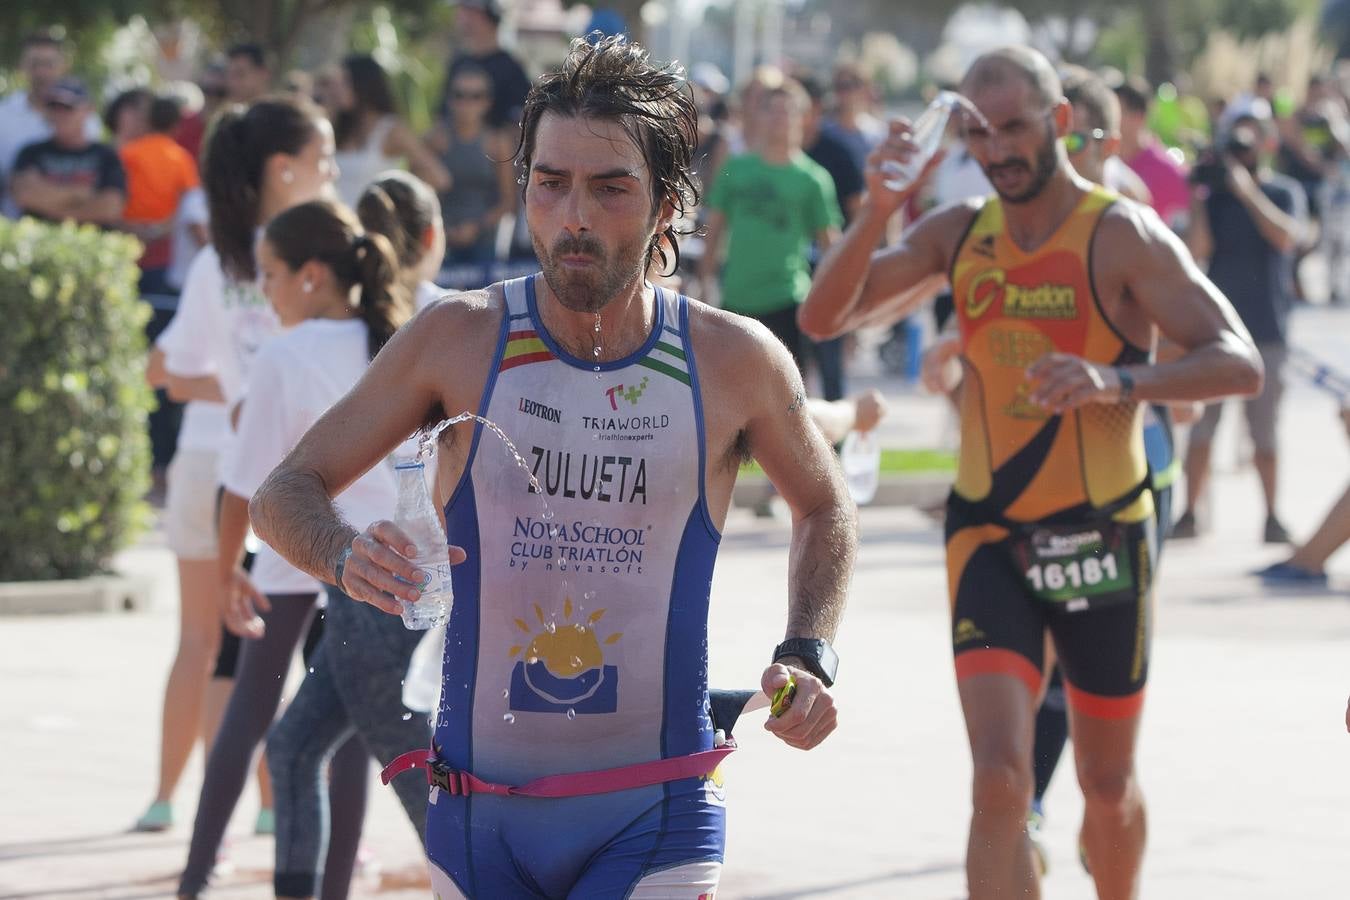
(934, 372)
(380, 569)
(897, 146)
(242, 600)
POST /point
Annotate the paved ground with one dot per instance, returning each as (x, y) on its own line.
(1243, 752)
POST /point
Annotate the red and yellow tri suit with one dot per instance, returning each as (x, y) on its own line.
(1048, 525)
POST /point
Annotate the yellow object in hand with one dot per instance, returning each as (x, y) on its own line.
(782, 698)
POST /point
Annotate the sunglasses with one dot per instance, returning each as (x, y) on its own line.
(1075, 141)
(468, 95)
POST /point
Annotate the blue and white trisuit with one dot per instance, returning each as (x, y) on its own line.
(584, 648)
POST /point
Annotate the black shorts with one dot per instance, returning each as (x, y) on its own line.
(999, 622)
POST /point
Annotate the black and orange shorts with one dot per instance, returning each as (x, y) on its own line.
(1087, 583)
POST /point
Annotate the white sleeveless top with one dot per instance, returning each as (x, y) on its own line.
(585, 648)
(358, 168)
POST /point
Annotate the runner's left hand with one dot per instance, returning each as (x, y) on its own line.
(1062, 382)
(812, 715)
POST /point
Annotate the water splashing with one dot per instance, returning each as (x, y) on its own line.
(596, 350)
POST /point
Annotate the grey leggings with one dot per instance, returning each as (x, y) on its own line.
(252, 706)
(355, 687)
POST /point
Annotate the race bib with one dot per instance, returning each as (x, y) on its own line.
(1077, 566)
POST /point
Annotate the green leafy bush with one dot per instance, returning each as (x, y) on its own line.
(74, 454)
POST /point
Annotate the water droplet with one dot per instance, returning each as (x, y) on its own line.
(589, 595)
(571, 714)
(509, 719)
(506, 694)
(311, 670)
(407, 716)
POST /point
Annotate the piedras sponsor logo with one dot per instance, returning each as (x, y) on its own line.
(966, 631)
(603, 477)
(1019, 301)
(540, 411)
(1042, 301)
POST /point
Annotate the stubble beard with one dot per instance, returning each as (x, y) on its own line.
(590, 291)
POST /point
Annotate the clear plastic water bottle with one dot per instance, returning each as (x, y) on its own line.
(860, 458)
(416, 516)
(927, 133)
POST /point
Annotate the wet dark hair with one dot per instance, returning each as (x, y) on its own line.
(370, 87)
(400, 206)
(113, 111)
(241, 141)
(330, 233)
(614, 79)
(165, 112)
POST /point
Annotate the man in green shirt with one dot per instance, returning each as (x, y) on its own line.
(771, 202)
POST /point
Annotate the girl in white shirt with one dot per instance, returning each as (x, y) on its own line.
(259, 160)
(336, 288)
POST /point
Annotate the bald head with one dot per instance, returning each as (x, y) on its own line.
(998, 67)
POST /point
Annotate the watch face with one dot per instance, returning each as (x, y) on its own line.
(817, 654)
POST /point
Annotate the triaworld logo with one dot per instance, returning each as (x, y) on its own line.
(632, 393)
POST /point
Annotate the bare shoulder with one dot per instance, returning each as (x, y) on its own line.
(731, 346)
(1128, 229)
(461, 320)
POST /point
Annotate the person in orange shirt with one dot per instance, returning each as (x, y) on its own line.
(159, 172)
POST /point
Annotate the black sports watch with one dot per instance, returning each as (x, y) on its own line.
(817, 656)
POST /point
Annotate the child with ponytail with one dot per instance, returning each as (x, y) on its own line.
(405, 209)
(337, 287)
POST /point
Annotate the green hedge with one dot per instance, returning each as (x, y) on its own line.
(74, 454)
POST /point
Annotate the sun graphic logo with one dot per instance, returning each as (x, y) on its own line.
(560, 666)
(715, 787)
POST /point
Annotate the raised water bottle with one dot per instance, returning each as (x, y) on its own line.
(927, 133)
(860, 458)
(416, 516)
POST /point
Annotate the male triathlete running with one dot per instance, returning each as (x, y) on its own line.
(1061, 289)
(584, 649)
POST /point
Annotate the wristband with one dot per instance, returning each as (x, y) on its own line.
(1126, 386)
(341, 567)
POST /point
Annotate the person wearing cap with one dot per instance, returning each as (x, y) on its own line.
(476, 26)
(68, 176)
(43, 62)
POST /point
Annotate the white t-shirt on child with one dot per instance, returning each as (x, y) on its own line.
(294, 379)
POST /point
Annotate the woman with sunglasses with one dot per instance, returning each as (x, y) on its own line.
(477, 156)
